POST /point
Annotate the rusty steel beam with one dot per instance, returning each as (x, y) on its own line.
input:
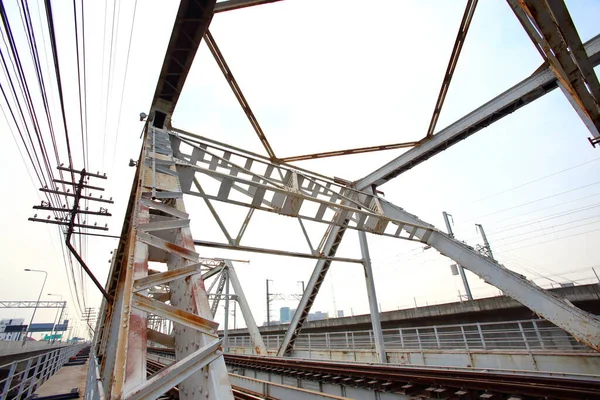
(122, 339)
(237, 91)
(275, 252)
(551, 29)
(541, 82)
(191, 23)
(358, 150)
(458, 44)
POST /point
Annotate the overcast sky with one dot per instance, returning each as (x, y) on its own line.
(326, 75)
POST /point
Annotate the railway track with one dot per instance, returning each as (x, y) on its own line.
(153, 367)
(421, 382)
(428, 382)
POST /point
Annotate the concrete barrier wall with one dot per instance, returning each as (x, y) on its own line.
(8, 348)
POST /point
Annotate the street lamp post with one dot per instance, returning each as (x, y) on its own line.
(54, 332)
(36, 304)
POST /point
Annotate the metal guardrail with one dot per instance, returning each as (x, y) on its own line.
(509, 335)
(93, 384)
(25, 376)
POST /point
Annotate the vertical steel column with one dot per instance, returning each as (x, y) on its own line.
(268, 305)
(373, 305)
(226, 322)
(157, 230)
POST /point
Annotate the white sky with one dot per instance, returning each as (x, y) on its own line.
(326, 75)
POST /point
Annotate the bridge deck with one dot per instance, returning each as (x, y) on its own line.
(67, 378)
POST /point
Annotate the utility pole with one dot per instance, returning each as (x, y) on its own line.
(461, 270)
(234, 315)
(226, 322)
(88, 316)
(268, 304)
(71, 216)
(486, 244)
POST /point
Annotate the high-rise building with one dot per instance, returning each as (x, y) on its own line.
(340, 313)
(285, 315)
(317, 316)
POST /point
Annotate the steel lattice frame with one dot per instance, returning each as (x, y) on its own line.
(174, 162)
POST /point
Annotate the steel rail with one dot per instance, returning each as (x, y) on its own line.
(239, 393)
(397, 376)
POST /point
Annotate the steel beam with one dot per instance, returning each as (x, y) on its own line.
(584, 327)
(550, 27)
(32, 304)
(275, 252)
(175, 373)
(333, 239)
(191, 23)
(280, 189)
(255, 337)
(523, 93)
(122, 343)
(237, 91)
(372, 293)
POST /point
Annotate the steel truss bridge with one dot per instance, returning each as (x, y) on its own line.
(174, 164)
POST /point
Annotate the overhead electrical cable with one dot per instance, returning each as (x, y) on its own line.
(124, 82)
(535, 201)
(109, 83)
(544, 228)
(537, 180)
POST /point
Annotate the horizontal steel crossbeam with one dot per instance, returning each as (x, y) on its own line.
(32, 304)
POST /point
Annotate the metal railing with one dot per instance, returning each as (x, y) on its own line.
(93, 384)
(510, 335)
(24, 377)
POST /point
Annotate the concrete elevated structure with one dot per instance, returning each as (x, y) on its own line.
(490, 309)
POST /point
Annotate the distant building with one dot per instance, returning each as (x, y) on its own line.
(10, 329)
(285, 315)
(317, 316)
(340, 313)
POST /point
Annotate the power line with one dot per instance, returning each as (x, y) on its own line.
(549, 207)
(545, 228)
(125, 82)
(544, 234)
(537, 180)
(546, 218)
(552, 240)
(535, 201)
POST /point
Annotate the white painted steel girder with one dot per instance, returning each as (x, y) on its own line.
(584, 327)
(280, 189)
(255, 336)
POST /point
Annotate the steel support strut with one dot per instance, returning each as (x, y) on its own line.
(584, 327)
(257, 341)
(538, 84)
(332, 242)
(552, 31)
(373, 305)
(158, 231)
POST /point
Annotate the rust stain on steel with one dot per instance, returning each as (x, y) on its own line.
(180, 249)
(155, 306)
